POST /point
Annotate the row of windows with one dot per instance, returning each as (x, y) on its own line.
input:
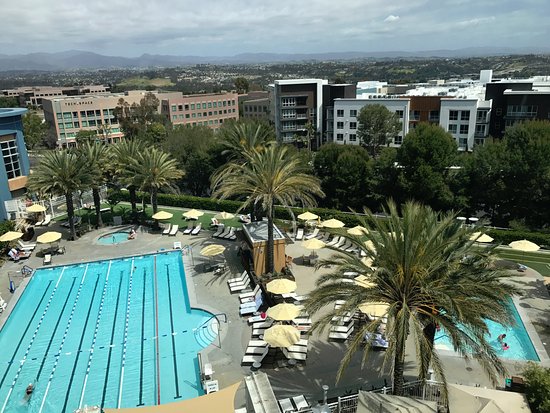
(83, 113)
(464, 129)
(202, 114)
(522, 110)
(11, 158)
(203, 105)
(340, 113)
(352, 137)
(340, 125)
(73, 134)
(464, 114)
(254, 108)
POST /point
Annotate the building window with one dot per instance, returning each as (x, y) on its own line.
(463, 143)
(286, 102)
(352, 137)
(340, 113)
(192, 106)
(209, 105)
(353, 125)
(340, 137)
(289, 113)
(453, 115)
(453, 129)
(398, 140)
(204, 105)
(481, 116)
(399, 113)
(465, 115)
(415, 115)
(464, 129)
(339, 125)
(353, 112)
(11, 158)
(480, 130)
(433, 116)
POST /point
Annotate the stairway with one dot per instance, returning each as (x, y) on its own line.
(207, 332)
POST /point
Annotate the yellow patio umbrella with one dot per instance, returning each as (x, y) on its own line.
(363, 281)
(374, 309)
(281, 286)
(212, 250)
(367, 261)
(524, 245)
(10, 236)
(49, 237)
(370, 246)
(313, 244)
(307, 216)
(358, 230)
(193, 214)
(284, 312)
(332, 223)
(224, 215)
(479, 237)
(162, 215)
(281, 336)
(36, 208)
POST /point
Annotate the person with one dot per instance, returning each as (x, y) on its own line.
(132, 234)
(501, 338)
(30, 389)
(505, 346)
(14, 254)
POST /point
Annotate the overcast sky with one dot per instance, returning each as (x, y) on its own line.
(228, 27)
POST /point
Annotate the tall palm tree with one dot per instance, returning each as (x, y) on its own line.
(246, 136)
(61, 173)
(428, 272)
(124, 155)
(96, 156)
(268, 175)
(153, 170)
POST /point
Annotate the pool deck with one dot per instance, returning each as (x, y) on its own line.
(210, 292)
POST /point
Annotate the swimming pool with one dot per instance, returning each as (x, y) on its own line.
(114, 238)
(517, 338)
(116, 333)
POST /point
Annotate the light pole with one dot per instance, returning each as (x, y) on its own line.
(324, 408)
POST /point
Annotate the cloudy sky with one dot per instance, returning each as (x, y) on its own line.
(228, 27)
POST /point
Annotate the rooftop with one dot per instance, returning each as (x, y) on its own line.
(257, 231)
(8, 112)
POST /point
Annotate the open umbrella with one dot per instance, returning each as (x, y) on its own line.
(224, 215)
(524, 245)
(479, 237)
(10, 236)
(49, 237)
(284, 312)
(363, 281)
(193, 214)
(212, 250)
(332, 223)
(36, 208)
(162, 215)
(374, 309)
(307, 216)
(281, 286)
(313, 244)
(358, 230)
(281, 336)
(370, 246)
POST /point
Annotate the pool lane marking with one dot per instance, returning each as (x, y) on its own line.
(178, 395)
(142, 340)
(105, 382)
(69, 386)
(99, 313)
(124, 345)
(157, 326)
(32, 340)
(67, 327)
(24, 333)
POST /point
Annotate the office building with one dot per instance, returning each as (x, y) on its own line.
(255, 105)
(332, 92)
(33, 96)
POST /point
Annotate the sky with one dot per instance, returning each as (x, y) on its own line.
(229, 27)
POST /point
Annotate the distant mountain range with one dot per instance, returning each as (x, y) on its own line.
(77, 59)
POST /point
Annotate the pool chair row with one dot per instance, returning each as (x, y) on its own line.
(224, 232)
(296, 404)
(342, 325)
(257, 350)
(190, 230)
(45, 222)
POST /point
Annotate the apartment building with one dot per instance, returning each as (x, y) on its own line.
(332, 92)
(14, 168)
(33, 96)
(210, 110)
(255, 105)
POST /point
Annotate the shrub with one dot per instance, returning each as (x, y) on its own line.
(507, 236)
(537, 387)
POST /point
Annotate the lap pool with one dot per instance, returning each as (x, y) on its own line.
(116, 333)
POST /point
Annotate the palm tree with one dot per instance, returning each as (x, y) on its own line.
(124, 155)
(268, 175)
(96, 156)
(153, 170)
(246, 136)
(61, 173)
(428, 272)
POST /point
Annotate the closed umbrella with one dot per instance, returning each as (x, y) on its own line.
(212, 250)
(479, 237)
(332, 223)
(193, 214)
(358, 230)
(281, 286)
(162, 215)
(374, 309)
(307, 216)
(524, 245)
(281, 336)
(36, 208)
(10, 236)
(224, 215)
(284, 312)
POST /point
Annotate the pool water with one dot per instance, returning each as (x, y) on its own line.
(116, 333)
(517, 338)
(113, 238)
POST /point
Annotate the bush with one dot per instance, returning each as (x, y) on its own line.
(537, 387)
(505, 237)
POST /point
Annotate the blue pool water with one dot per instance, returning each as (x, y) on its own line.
(517, 338)
(116, 333)
(113, 238)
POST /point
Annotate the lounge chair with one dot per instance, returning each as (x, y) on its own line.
(297, 349)
(334, 241)
(341, 242)
(256, 319)
(207, 371)
(219, 231)
(294, 355)
(324, 236)
(197, 229)
(341, 335)
(38, 223)
(214, 222)
(249, 308)
(343, 319)
(300, 402)
(313, 234)
(211, 386)
(251, 359)
(286, 405)
(256, 332)
(47, 220)
(167, 229)
(189, 228)
(225, 232)
(263, 324)
(26, 247)
(238, 279)
(245, 296)
(299, 234)
(177, 245)
(47, 259)
(174, 230)
(235, 288)
(16, 255)
(255, 350)
(230, 234)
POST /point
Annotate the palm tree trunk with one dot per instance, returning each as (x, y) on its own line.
(133, 198)
(270, 267)
(429, 334)
(70, 214)
(97, 205)
(398, 369)
(154, 200)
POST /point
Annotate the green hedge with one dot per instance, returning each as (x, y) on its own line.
(505, 237)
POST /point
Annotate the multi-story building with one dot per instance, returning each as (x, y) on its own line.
(255, 105)
(33, 96)
(14, 169)
(332, 92)
(210, 110)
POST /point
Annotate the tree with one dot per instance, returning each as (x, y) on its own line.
(8, 102)
(155, 170)
(34, 129)
(136, 119)
(266, 176)
(537, 387)
(428, 273)
(241, 84)
(96, 156)
(84, 136)
(61, 173)
(377, 127)
(240, 137)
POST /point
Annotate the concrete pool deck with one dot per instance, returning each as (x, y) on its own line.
(210, 292)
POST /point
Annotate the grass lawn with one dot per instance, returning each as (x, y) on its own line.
(538, 261)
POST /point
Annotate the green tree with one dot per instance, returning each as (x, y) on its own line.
(266, 176)
(537, 387)
(377, 127)
(8, 102)
(34, 129)
(96, 156)
(136, 119)
(84, 136)
(243, 136)
(428, 273)
(61, 173)
(241, 84)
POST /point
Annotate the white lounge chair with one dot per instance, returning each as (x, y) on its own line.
(47, 220)
(313, 234)
(258, 332)
(197, 229)
(177, 245)
(47, 259)
(256, 343)
(189, 228)
(249, 309)
(263, 324)
(174, 230)
(341, 242)
(167, 229)
(229, 234)
(26, 247)
(336, 335)
(334, 241)
(325, 236)
(255, 350)
(256, 319)
(299, 234)
(232, 236)
(286, 405)
(225, 232)
(294, 355)
(300, 402)
(250, 359)
(244, 297)
(235, 288)
(238, 279)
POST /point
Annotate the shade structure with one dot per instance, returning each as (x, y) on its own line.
(307, 216)
(524, 245)
(374, 309)
(10, 236)
(193, 214)
(313, 244)
(358, 230)
(49, 237)
(281, 286)
(332, 223)
(162, 215)
(36, 208)
(479, 237)
(212, 250)
(284, 312)
(281, 336)
(224, 215)
(363, 281)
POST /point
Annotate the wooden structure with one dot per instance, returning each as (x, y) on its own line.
(255, 235)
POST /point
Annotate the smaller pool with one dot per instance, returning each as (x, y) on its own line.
(114, 238)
